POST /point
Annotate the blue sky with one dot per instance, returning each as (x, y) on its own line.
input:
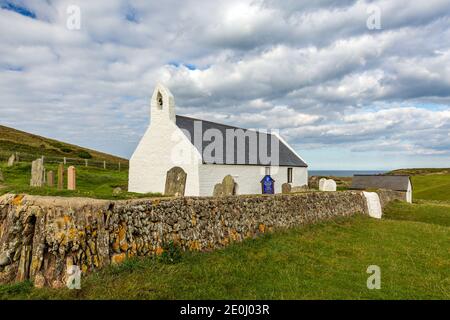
(344, 96)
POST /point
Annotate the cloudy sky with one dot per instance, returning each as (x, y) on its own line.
(344, 95)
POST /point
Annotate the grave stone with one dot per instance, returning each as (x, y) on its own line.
(71, 178)
(2, 179)
(329, 185)
(61, 176)
(50, 179)
(286, 188)
(373, 204)
(228, 186)
(13, 159)
(218, 190)
(321, 182)
(37, 173)
(175, 182)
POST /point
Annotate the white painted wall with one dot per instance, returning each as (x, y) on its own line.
(247, 177)
(163, 146)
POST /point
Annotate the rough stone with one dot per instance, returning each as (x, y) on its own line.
(61, 176)
(175, 182)
(286, 188)
(37, 173)
(71, 178)
(50, 179)
(13, 159)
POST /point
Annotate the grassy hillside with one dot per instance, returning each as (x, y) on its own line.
(324, 261)
(12, 140)
(431, 187)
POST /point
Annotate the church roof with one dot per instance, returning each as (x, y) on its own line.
(393, 182)
(287, 157)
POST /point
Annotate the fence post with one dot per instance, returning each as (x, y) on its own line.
(104, 164)
(86, 162)
(64, 160)
(119, 166)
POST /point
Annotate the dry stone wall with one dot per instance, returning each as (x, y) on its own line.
(40, 237)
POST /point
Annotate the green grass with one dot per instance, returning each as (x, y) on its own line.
(91, 182)
(431, 187)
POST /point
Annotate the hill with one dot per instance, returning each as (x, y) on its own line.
(30, 146)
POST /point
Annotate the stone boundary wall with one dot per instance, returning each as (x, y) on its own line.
(41, 236)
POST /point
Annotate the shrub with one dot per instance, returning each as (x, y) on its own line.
(171, 253)
(84, 155)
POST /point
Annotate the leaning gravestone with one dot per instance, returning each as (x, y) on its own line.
(329, 185)
(61, 176)
(175, 182)
(71, 178)
(228, 186)
(50, 178)
(218, 190)
(37, 173)
(286, 188)
(13, 159)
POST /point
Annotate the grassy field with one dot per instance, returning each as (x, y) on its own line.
(324, 261)
(91, 182)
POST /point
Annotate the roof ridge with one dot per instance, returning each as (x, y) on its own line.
(222, 124)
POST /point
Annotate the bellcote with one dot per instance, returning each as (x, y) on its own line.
(162, 105)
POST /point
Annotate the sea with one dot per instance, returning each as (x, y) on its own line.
(342, 173)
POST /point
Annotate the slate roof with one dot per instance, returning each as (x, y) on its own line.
(397, 182)
(286, 156)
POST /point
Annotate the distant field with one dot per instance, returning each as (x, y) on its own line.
(431, 187)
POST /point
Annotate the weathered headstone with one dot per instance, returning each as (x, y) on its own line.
(2, 179)
(286, 188)
(61, 176)
(228, 186)
(71, 178)
(218, 190)
(117, 191)
(321, 182)
(175, 182)
(268, 185)
(13, 159)
(328, 185)
(37, 173)
(50, 179)
(373, 204)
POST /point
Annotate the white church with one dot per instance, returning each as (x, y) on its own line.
(207, 152)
